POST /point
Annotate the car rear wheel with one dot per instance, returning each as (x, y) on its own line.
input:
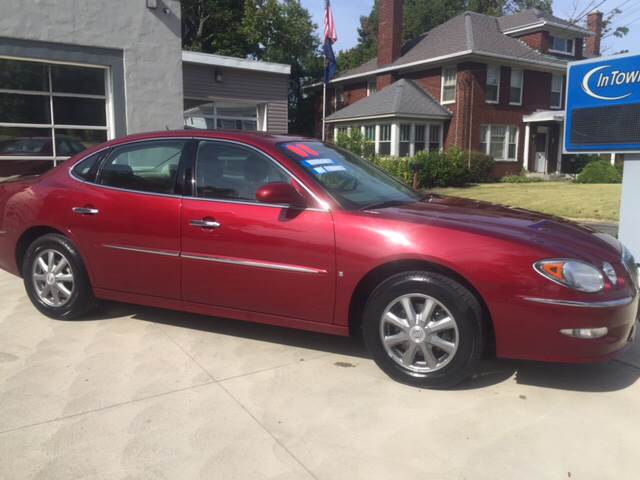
(56, 279)
(424, 329)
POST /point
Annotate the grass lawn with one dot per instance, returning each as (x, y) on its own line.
(597, 202)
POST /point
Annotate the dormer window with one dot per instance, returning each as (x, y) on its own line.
(566, 46)
(371, 86)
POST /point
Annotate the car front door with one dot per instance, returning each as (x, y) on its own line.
(241, 254)
(126, 219)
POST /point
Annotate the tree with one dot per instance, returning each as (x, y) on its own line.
(419, 16)
(513, 6)
(269, 30)
(614, 22)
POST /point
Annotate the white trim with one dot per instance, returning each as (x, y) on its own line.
(389, 115)
(527, 135)
(519, 103)
(395, 139)
(550, 66)
(233, 62)
(499, 77)
(543, 23)
(54, 62)
(455, 84)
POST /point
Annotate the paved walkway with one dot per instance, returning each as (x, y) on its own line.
(140, 393)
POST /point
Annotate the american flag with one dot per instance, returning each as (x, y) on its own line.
(329, 25)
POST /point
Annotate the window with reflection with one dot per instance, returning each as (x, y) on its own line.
(223, 116)
(48, 113)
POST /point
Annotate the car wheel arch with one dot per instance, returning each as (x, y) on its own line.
(379, 274)
(29, 236)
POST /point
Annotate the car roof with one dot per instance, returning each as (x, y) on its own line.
(256, 138)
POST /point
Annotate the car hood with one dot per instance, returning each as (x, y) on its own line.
(560, 237)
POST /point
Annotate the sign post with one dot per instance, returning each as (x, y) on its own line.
(603, 116)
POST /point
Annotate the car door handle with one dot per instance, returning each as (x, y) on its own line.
(204, 224)
(85, 210)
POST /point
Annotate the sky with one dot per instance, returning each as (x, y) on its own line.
(346, 14)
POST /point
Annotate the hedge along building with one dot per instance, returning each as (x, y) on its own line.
(75, 73)
(500, 80)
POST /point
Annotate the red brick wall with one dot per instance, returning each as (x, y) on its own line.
(538, 41)
(354, 92)
(389, 31)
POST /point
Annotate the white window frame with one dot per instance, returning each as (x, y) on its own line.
(559, 92)
(452, 83)
(571, 52)
(52, 126)
(519, 102)
(261, 114)
(498, 78)
(371, 91)
(506, 142)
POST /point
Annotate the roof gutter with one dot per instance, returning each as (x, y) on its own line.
(388, 115)
(545, 23)
(549, 65)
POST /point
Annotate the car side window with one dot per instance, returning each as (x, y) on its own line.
(87, 168)
(230, 171)
(145, 167)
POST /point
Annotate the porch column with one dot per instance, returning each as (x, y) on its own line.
(560, 143)
(395, 139)
(527, 135)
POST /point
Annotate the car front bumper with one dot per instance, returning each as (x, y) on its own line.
(539, 328)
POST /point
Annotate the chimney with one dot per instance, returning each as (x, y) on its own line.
(594, 25)
(389, 31)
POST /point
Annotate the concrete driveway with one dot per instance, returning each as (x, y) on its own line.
(142, 393)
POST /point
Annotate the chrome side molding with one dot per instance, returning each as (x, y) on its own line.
(253, 263)
(571, 303)
(151, 251)
(85, 210)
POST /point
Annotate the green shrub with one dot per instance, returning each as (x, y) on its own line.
(520, 179)
(576, 163)
(398, 167)
(480, 168)
(446, 169)
(356, 143)
(599, 171)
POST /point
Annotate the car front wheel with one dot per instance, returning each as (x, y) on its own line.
(424, 329)
(56, 279)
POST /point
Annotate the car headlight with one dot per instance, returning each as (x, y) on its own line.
(631, 266)
(572, 274)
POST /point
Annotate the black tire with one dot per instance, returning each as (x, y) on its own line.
(81, 301)
(461, 304)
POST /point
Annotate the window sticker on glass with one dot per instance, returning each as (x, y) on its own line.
(319, 161)
(353, 181)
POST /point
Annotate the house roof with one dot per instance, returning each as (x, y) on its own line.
(536, 18)
(403, 98)
(469, 33)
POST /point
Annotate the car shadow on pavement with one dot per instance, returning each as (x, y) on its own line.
(604, 377)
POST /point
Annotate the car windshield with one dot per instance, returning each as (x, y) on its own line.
(353, 181)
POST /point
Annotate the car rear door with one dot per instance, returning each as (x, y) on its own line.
(241, 254)
(127, 219)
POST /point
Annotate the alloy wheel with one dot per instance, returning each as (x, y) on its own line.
(52, 278)
(419, 333)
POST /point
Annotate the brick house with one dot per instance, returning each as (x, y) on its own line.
(489, 84)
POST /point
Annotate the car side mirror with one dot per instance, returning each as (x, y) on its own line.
(280, 193)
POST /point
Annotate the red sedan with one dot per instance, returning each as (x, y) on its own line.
(293, 232)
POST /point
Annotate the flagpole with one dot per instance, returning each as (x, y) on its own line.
(324, 108)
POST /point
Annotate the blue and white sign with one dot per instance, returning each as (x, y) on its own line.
(603, 105)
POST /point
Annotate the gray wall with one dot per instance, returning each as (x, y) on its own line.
(149, 42)
(237, 84)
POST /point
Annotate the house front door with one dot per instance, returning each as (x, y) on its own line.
(541, 144)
